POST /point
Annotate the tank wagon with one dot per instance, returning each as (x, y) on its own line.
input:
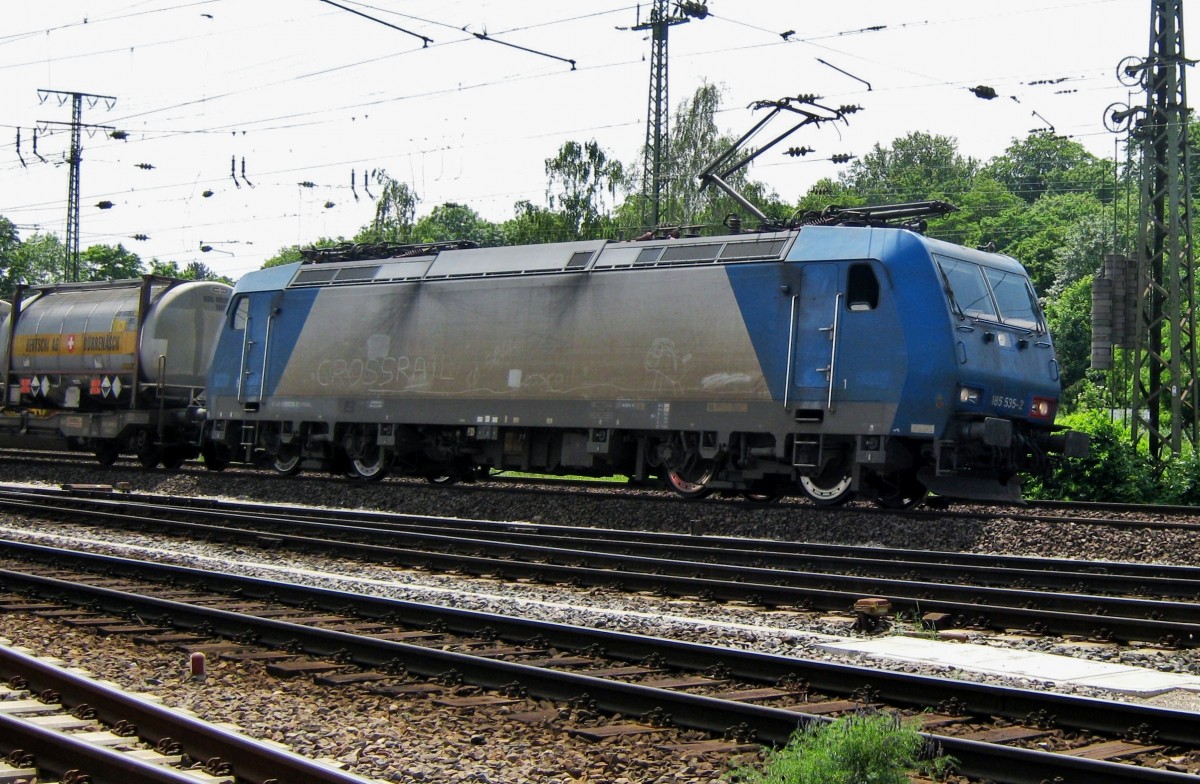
(834, 360)
(113, 367)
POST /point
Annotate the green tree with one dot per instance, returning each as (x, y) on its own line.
(827, 192)
(1069, 317)
(1040, 229)
(10, 249)
(194, 270)
(1046, 164)
(695, 142)
(452, 221)
(532, 224)
(1084, 246)
(915, 167)
(984, 217)
(290, 254)
(394, 212)
(35, 261)
(578, 177)
(104, 262)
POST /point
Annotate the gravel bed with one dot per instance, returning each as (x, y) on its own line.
(743, 627)
(387, 738)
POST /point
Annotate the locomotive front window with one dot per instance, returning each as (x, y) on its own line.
(968, 288)
(1018, 307)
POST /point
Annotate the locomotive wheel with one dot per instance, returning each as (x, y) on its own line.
(371, 467)
(826, 493)
(691, 483)
(442, 479)
(288, 465)
(172, 459)
(107, 453)
(762, 498)
(215, 458)
(907, 493)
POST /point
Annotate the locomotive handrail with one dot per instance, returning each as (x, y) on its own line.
(833, 339)
(262, 373)
(787, 382)
(241, 385)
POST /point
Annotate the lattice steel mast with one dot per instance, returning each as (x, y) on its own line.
(654, 179)
(1164, 393)
(71, 243)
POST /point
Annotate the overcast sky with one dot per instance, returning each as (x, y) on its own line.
(304, 92)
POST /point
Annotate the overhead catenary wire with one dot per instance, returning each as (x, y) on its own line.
(327, 116)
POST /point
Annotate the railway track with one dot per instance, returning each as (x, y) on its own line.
(1103, 601)
(1101, 514)
(59, 723)
(994, 732)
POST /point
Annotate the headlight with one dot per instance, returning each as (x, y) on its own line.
(1042, 408)
(969, 396)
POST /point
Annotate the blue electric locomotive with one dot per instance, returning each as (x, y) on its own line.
(833, 360)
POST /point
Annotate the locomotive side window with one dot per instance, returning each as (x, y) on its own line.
(862, 288)
(968, 288)
(1018, 307)
(241, 313)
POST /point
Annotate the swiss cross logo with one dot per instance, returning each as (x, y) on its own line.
(70, 342)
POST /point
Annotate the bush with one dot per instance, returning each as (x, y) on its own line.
(1180, 483)
(1114, 469)
(861, 749)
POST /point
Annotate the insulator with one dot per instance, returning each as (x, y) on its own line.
(796, 151)
(841, 158)
(119, 135)
(308, 184)
(105, 205)
(145, 166)
(984, 92)
(141, 237)
(206, 194)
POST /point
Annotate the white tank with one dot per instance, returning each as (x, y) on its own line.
(82, 342)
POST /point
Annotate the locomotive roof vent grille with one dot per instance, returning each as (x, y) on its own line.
(648, 256)
(579, 260)
(314, 277)
(356, 274)
(758, 249)
(690, 254)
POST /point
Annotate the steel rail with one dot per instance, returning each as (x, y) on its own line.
(1149, 579)
(58, 752)
(774, 725)
(559, 486)
(252, 761)
(1101, 617)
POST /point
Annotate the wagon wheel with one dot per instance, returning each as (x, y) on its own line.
(107, 452)
(150, 458)
(824, 491)
(902, 491)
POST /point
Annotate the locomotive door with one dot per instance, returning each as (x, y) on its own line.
(816, 311)
(253, 316)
